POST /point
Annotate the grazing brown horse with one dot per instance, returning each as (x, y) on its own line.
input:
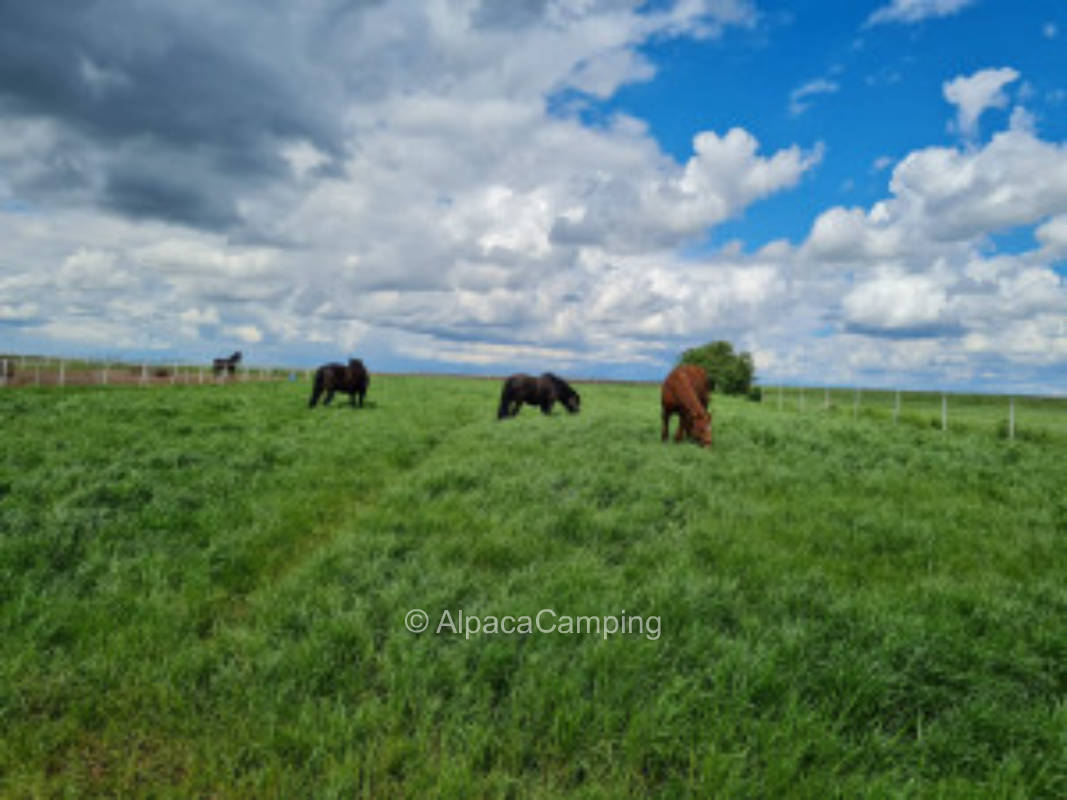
(685, 393)
(353, 380)
(542, 391)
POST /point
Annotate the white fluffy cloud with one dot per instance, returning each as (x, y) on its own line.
(249, 334)
(944, 196)
(447, 208)
(951, 194)
(896, 301)
(911, 11)
(975, 93)
(461, 208)
(916, 266)
(798, 98)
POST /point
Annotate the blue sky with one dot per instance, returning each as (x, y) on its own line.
(862, 192)
(882, 96)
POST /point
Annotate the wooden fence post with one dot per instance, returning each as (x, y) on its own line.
(62, 372)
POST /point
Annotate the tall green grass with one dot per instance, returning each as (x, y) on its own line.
(203, 592)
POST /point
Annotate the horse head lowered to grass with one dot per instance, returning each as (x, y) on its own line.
(543, 391)
(685, 393)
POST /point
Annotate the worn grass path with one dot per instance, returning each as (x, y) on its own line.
(202, 592)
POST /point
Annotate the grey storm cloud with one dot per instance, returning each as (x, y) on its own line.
(200, 92)
(140, 193)
(513, 14)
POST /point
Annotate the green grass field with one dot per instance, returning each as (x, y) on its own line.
(203, 592)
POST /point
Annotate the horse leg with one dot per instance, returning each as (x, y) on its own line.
(504, 410)
(666, 426)
(683, 427)
(329, 397)
(361, 399)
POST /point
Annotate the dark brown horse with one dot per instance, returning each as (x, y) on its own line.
(542, 391)
(353, 380)
(227, 365)
(685, 393)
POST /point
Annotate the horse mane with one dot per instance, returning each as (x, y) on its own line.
(563, 389)
(689, 399)
(687, 395)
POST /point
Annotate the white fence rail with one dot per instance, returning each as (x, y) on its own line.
(941, 410)
(25, 371)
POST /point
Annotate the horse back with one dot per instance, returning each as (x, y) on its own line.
(520, 384)
(685, 389)
(329, 375)
(698, 379)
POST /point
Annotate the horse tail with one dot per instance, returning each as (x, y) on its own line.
(505, 401)
(316, 388)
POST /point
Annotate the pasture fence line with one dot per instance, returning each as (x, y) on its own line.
(21, 371)
(1044, 415)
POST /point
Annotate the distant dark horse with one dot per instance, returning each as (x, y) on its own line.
(227, 365)
(543, 391)
(352, 380)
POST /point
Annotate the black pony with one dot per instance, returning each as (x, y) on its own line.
(352, 380)
(227, 365)
(543, 391)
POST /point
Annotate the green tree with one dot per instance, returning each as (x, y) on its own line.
(728, 372)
